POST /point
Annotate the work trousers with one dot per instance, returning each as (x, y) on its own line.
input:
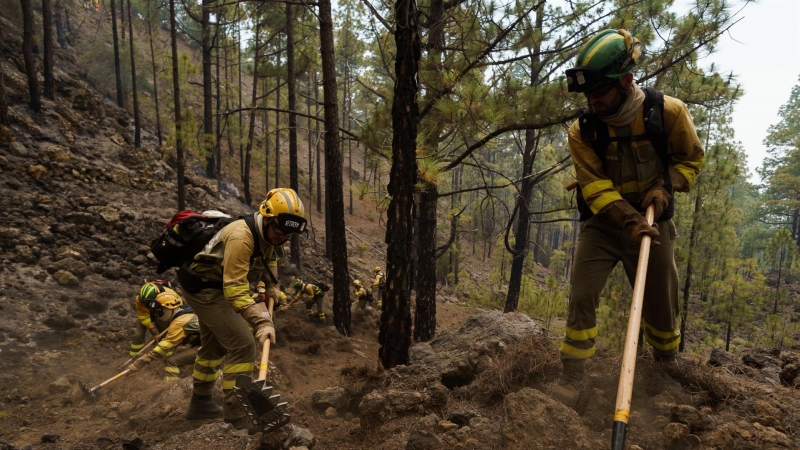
(224, 336)
(601, 244)
(173, 364)
(142, 336)
(310, 304)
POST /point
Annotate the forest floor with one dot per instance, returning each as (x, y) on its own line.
(80, 208)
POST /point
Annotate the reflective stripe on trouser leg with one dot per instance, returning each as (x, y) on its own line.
(173, 364)
(138, 339)
(223, 334)
(598, 251)
(309, 308)
(660, 310)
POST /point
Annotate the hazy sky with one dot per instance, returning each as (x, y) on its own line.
(763, 50)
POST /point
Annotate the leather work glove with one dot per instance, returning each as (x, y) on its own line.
(140, 363)
(155, 333)
(659, 198)
(259, 319)
(625, 216)
(273, 293)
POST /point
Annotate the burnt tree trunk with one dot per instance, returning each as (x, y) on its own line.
(117, 67)
(27, 55)
(208, 112)
(217, 106)
(277, 122)
(155, 73)
(394, 333)
(294, 181)
(251, 130)
(58, 20)
(3, 96)
(176, 91)
(333, 170)
(308, 139)
(316, 131)
(137, 122)
(47, 25)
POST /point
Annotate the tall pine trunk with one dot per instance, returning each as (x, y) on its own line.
(278, 123)
(176, 91)
(251, 130)
(155, 72)
(27, 55)
(218, 118)
(394, 333)
(333, 171)
(308, 139)
(208, 112)
(117, 67)
(47, 24)
(137, 124)
(58, 20)
(316, 131)
(294, 181)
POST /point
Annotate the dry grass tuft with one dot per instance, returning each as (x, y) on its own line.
(528, 361)
(359, 380)
(313, 349)
(710, 385)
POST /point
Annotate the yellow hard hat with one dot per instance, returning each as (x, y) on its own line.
(377, 269)
(357, 283)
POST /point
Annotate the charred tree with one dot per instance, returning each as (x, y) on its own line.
(3, 96)
(27, 55)
(47, 25)
(277, 122)
(137, 123)
(316, 131)
(394, 333)
(117, 67)
(58, 20)
(208, 113)
(155, 72)
(251, 130)
(291, 81)
(176, 91)
(333, 169)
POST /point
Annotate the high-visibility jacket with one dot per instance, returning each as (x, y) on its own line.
(143, 314)
(311, 291)
(631, 168)
(184, 329)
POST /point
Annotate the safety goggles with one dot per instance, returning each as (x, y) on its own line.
(583, 79)
(154, 307)
(599, 91)
(287, 223)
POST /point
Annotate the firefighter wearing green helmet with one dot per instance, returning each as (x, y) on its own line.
(145, 322)
(217, 287)
(631, 148)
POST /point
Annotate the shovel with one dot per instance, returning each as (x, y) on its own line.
(92, 392)
(141, 352)
(262, 407)
(625, 388)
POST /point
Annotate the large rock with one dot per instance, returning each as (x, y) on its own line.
(300, 437)
(76, 267)
(65, 278)
(59, 386)
(720, 357)
(456, 353)
(423, 435)
(534, 421)
(332, 396)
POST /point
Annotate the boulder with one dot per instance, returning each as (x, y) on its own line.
(423, 434)
(91, 305)
(50, 437)
(65, 278)
(37, 171)
(300, 437)
(76, 267)
(59, 386)
(24, 254)
(720, 357)
(534, 421)
(677, 436)
(332, 396)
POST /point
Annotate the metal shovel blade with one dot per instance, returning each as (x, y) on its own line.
(264, 409)
(87, 390)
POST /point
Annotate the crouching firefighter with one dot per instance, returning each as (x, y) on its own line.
(216, 282)
(631, 148)
(145, 322)
(183, 329)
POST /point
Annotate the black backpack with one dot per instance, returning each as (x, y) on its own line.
(595, 131)
(186, 234)
(323, 286)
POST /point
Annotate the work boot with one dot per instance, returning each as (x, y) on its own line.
(203, 407)
(670, 359)
(568, 387)
(243, 423)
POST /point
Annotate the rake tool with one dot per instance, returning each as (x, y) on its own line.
(625, 388)
(141, 352)
(263, 408)
(92, 392)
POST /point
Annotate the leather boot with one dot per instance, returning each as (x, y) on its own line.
(670, 359)
(203, 407)
(567, 389)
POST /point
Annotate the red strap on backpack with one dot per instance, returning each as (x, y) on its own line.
(185, 214)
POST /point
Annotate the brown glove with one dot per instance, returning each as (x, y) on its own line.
(258, 317)
(659, 198)
(155, 333)
(625, 216)
(679, 182)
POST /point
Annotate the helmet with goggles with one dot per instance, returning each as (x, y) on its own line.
(607, 57)
(284, 209)
(298, 284)
(163, 302)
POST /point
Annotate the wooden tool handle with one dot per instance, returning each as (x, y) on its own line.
(119, 375)
(152, 341)
(625, 387)
(263, 367)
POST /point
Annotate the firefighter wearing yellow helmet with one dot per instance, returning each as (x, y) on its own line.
(631, 148)
(217, 287)
(361, 294)
(378, 286)
(183, 329)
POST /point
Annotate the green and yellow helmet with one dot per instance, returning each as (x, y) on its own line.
(150, 290)
(608, 56)
(298, 284)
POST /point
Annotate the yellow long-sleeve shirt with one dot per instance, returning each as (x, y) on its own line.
(226, 258)
(631, 168)
(176, 335)
(311, 291)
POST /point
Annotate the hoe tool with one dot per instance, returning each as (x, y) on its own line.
(141, 352)
(625, 388)
(263, 408)
(92, 392)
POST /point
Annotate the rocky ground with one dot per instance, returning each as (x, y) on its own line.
(80, 207)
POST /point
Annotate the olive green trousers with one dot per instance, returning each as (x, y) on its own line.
(601, 245)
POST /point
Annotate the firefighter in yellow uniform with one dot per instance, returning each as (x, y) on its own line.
(217, 287)
(314, 295)
(631, 148)
(378, 286)
(260, 296)
(144, 320)
(361, 294)
(183, 329)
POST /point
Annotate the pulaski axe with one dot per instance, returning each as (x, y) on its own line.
(92, 392)
(263, 408)
(625, 388)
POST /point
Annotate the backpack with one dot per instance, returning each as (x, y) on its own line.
(186, 234)
(382, 282)
(595, 131)
(323, 286)
(367, 296)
